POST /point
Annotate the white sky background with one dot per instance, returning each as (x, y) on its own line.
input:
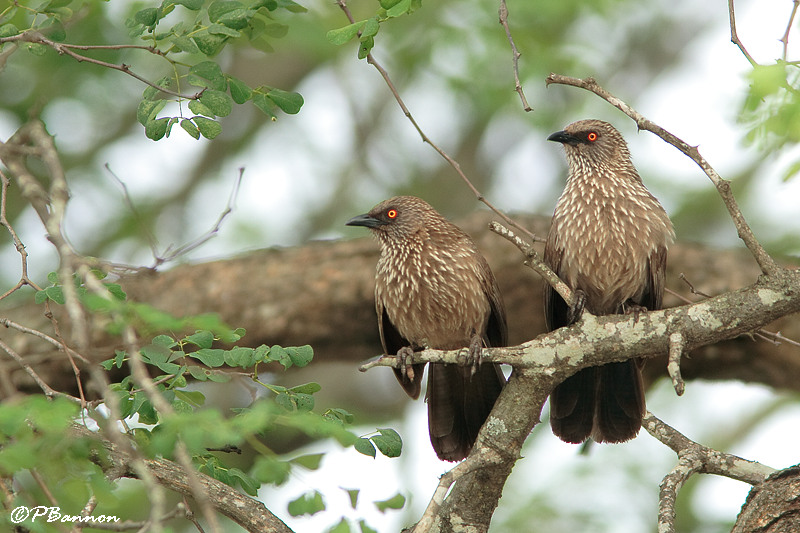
(697, 102)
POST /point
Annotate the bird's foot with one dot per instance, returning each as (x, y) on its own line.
(630, 308)
(577, 306)
(405, 358)
(472, 355)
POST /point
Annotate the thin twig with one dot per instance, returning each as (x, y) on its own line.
(453, 163)
(785, 38)
(767, 263)
(503, 13)
(735, 37)
(32, 36)
(533, 261)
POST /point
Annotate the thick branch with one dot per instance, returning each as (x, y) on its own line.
(249, 513)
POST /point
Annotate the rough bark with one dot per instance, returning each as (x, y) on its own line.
(773, 506)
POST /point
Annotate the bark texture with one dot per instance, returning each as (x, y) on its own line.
(773, 506)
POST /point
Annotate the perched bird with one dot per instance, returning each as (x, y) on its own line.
(434, 289)
(608, 242)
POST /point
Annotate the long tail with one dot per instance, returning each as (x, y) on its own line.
(604, 402)
(458, 405)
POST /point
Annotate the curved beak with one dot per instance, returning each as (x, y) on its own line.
(365, 220)
(564, 138)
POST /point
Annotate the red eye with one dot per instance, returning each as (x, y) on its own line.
(391, 213)
(592, 137)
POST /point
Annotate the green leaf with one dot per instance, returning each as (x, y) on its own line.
(148, 110)
(279, 354)
(248, 484)
(310, 461)
(56, 294)
(218, 376)
(365, 528)
(52, 278)
(209, 44)
(207, 74)
(36, 49)
(300, 355)
(307, 504)
(217, 101)
(116, 290)
(164, 340)
(285, 401)
(307, 388)
(353, 495)
(240, 92)
(367, 44)
(365, 447)
(395, 502)
(156, 129)
(342, 527)
(195, 398)
(208, 128)
(346, 33)
(8, 30)
(147, 16)
(304, 402)
(370, 28)
(339, 415)
(40, 297)
(193, 5)
(266, 105)
(289, 102)
(209, 357)
(199, 373)
(401, 8)
(388, 442)
(185, 44)
(240, 356)
(219, 29)
(271, 470)
(201, 339)
(199, 108)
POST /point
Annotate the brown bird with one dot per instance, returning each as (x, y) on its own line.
(434, 289)
(608, 242)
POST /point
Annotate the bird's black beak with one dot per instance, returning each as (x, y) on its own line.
(366, 221)
(564, 138)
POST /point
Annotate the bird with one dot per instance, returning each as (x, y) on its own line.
(434, 289)
(608, 242)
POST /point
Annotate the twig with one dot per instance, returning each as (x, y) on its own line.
(453, 163)
(533, 260)
(170, 255)
(735, 37)
(683, 277)
(785, 38)
(32, 36)
(676, 345)
(694, 458)
(767, 264)
(503, 14)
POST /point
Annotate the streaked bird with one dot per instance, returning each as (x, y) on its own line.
(608, 242)
(434, 289)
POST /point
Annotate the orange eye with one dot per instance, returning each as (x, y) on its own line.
(391, 213)
(592, 137)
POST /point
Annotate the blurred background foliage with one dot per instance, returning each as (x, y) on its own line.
(350, 146)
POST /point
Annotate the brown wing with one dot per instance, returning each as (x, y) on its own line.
(392, 341)
(656, 272)
(496, 328)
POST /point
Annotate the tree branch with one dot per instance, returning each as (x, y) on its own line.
(248, 512)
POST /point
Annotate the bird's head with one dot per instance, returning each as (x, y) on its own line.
(593, 143)
(398, 218)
